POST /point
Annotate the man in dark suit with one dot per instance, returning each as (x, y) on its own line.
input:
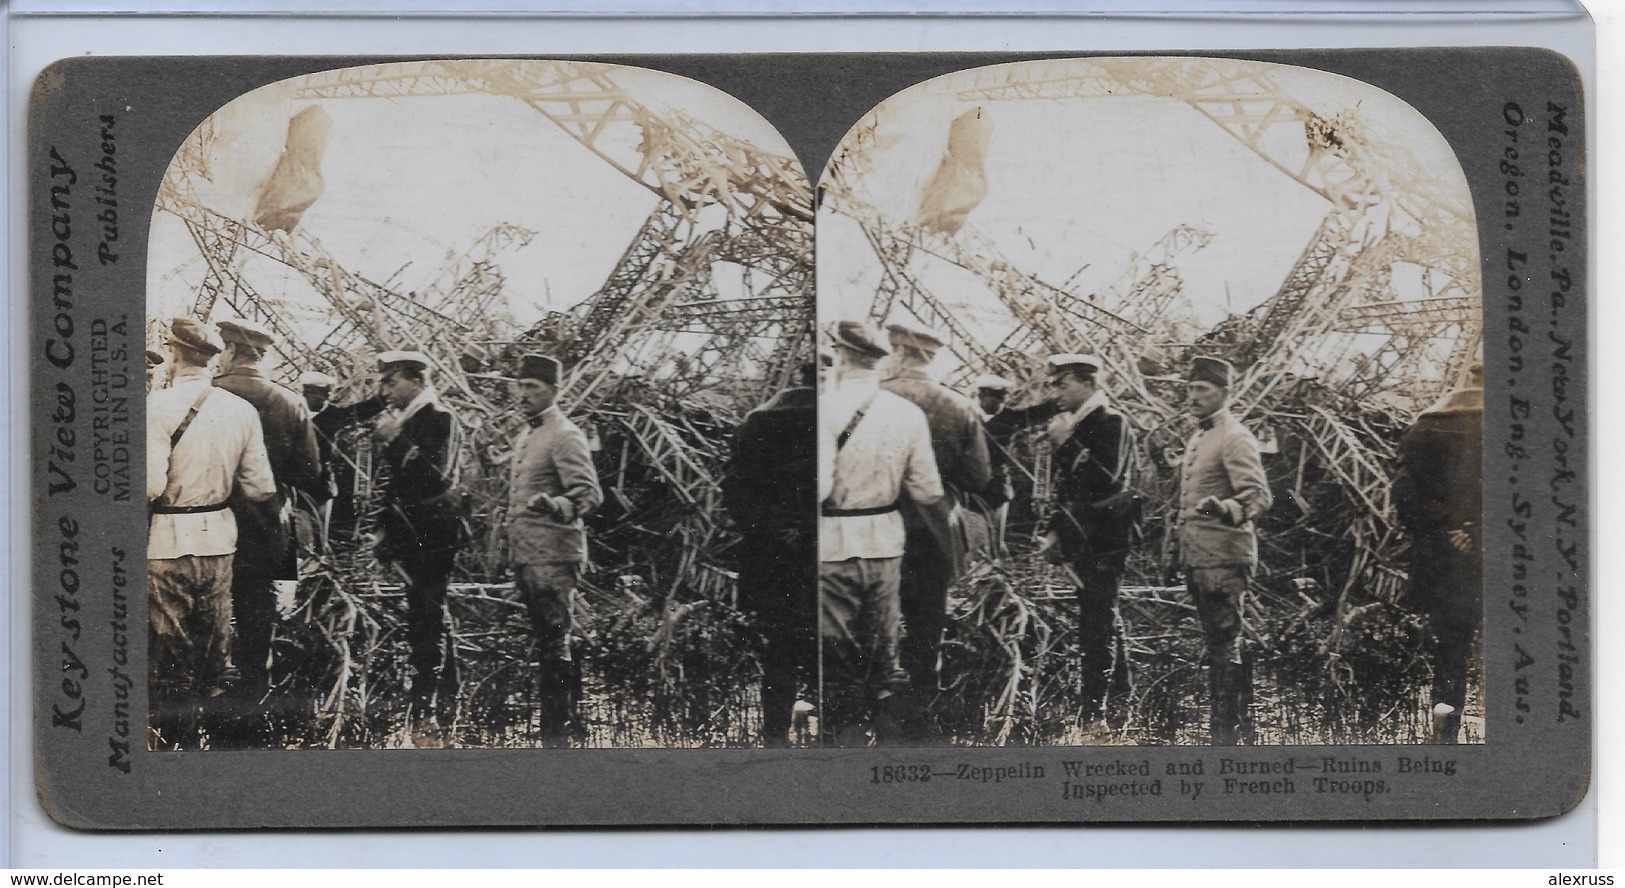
(771, 490)
(934, 555)
(1092, 461)
(265, 551)
(421, 529)
(1439, 494)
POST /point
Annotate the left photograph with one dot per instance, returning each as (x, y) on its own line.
(473, 389)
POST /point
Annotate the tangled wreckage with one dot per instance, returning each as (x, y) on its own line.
(660, 367)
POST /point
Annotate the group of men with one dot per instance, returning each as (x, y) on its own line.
(233, 456)
(901, 456)
(852, 599)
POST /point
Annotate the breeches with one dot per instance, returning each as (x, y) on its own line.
(926, 574)
(189, 624)
(1100, 630)
(547, 590)
(1219, 594)
(861, 626)
(426, 631)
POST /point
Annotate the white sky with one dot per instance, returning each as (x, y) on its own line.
(411, 183)
(1087, 182)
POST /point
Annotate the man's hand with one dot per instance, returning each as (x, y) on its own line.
(1226, 510)
(1461, 539)
(1049, 546)
(1171, 574)
(543, 504)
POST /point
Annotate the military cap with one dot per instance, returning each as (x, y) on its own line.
(245, 332)
(539, 367)
(195, 335)
(391, 361)
(992, 382)
(154, 358)
(315, 379)
(860, 337)
(917, 336)
(1212, 370)
(1073, 363)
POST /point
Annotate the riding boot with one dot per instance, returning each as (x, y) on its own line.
(1222, 676)
(840, 721)
(1247, 730)
(553, 713)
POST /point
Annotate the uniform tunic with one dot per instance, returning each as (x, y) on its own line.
(1222, 459)
(189, 556)
(960, 443)
(861, 619)
(552, 459)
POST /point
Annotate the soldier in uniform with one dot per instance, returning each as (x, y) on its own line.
(421, 529)
(1222, 489)
(1439, 494)
(935, 555)
(1090, 527)
(1005, 427)
(202, 444)
(266, 553)
(552, 486)
(771, 491)
(873, 447)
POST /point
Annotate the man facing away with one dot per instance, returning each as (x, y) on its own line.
(873, 446)
(1092, 462)
(1222, 488)
(266, 553)
(202, 444)
(421, 529)
(552, 486)
(936, 554)
(770, 489)
(1439, 494)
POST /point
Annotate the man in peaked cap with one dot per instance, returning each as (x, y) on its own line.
(936, 551)
(1222, 489)
(420, 529)
(1439, 495)
(552, 485)
(874, 451)
(202, 444)
(266, 553)
(770, 489)
(1090, 526)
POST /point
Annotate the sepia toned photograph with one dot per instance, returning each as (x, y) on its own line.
(1155, 414)
(444, 361)
(742, 439)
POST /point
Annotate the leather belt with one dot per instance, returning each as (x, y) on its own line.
(188, 510)
(832, 512)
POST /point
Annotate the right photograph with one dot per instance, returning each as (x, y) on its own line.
(1150, 412)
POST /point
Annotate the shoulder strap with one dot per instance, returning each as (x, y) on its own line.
(852, 426)
(175, 437)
